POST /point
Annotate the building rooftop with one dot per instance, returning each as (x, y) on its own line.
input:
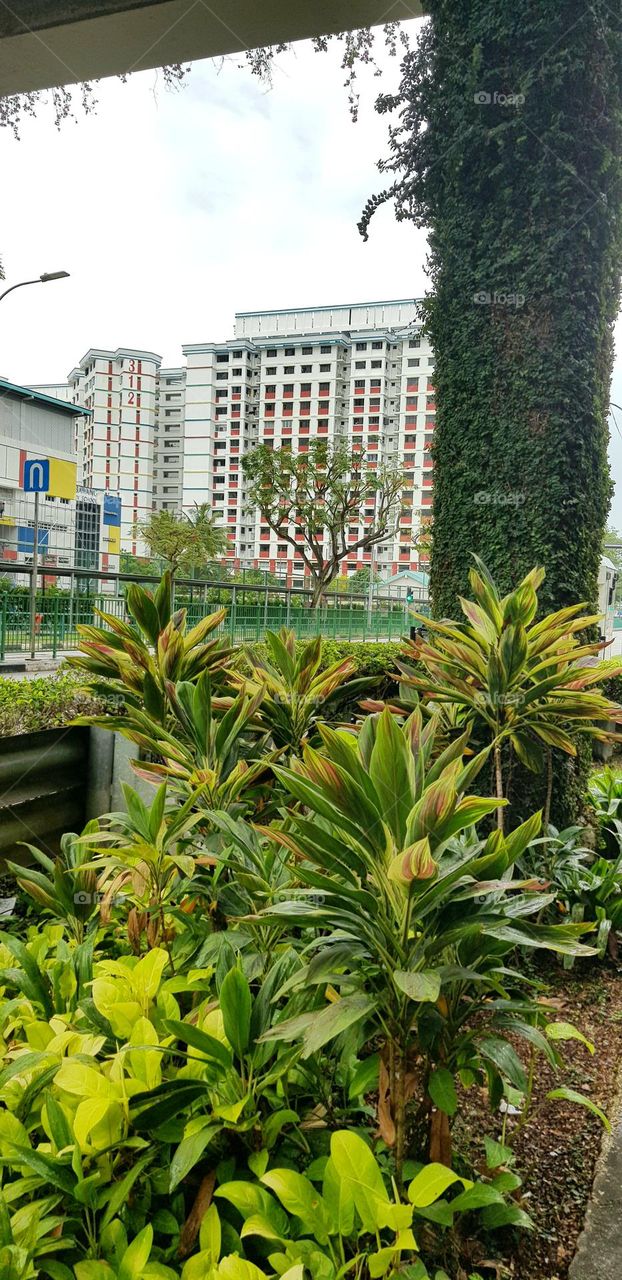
(27, 393)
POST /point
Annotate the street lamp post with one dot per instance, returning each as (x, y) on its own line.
(44, 279)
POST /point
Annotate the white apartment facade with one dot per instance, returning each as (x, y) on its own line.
(117, 447)
(362, 373)
(168, 451)
(170, 438)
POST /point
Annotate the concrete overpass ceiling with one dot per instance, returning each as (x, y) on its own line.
(51, 42)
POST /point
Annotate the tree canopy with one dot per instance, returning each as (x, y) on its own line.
(317, 500)
(187, 542)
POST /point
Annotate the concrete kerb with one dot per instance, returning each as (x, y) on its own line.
(599, 1252)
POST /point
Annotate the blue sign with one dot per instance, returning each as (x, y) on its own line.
(112, 509)
(37, 476)
(26, 539)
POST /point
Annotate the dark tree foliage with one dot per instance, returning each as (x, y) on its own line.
(508, 148)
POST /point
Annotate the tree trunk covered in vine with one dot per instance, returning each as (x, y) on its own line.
(509, 150)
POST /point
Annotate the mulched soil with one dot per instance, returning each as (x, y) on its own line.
(557, 1150)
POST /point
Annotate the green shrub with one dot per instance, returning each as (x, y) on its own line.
(48, 702)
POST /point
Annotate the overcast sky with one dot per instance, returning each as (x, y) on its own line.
(173, 210)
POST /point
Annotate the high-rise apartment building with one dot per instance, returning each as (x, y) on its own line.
(168, 452)
(360, 373)
(172, 438)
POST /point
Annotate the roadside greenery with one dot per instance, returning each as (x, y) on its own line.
(239, 1026)
(46, 702)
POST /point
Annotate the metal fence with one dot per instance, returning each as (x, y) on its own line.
(58, 617)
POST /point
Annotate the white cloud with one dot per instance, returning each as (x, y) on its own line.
(173, 210)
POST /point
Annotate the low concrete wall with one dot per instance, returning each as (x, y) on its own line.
(53, 781)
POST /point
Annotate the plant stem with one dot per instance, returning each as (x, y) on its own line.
(549, 790)
(399, 1111)
(498, 783)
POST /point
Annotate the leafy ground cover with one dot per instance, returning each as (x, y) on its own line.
(291, 1017)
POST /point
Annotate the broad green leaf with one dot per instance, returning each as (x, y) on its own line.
(356, 1166)
(210, 1234)
(300, 1198)
(571, 1095)
(236, 1006)
(391, 770)
(477, 1197)
(136, 1255)
(566, 1031)
(209, 1045)
(334, 1019)
(431, 1182)
(505, 1059)
(93, 1271)
(442, 1090)
(422, 986)
(234, 1268)
(506, 1215)
(339, 1200)
(496, 1153)
(189, 1152)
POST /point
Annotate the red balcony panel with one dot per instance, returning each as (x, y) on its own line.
(288, 395)
(412, 384)
(304, 393)
(270, 395)
(305, 410)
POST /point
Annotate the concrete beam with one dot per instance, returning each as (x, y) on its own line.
(52, 42)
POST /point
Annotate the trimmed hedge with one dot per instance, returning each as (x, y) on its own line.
(47, 702)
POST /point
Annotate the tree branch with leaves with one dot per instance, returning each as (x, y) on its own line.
(184, 541)
(314, 500)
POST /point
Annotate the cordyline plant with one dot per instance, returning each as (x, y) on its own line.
(211, 747)
(136, 662)
(411, 922)
(296, 693)
(517, 680)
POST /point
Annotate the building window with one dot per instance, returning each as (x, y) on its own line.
(325, 350)
(271, 371)
(271, 354)
(306, 368)
(324, 387)
(376, 364)
(222, 377)
(289, 368)
(324, 368)
(222, 359)
(377, 346)
(360, 364)
(361, 346)
(289, 351)
(306, 351)
(415, 342)
(414, 364)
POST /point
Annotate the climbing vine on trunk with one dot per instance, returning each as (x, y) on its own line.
(507, 146)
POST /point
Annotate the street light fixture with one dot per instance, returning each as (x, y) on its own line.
(47, 275)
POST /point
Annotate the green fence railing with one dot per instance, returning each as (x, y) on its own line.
(58, 618)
